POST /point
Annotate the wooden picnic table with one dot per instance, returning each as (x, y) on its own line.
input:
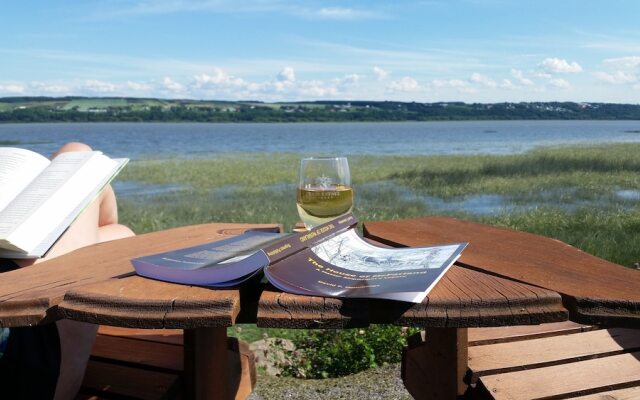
(503, 278)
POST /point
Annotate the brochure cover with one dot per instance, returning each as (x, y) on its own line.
(347, 266)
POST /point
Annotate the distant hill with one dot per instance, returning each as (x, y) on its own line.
(123, 109)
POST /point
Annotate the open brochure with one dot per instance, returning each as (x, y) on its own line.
(347, 266)
(331, 260)
(232, 261)
(41, 198)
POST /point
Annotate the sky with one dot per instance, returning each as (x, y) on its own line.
(275, 50)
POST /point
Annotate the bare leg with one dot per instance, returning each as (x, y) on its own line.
(97, 223)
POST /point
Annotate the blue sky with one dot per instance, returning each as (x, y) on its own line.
(272, 50)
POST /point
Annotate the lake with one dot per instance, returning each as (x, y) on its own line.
(186, 140)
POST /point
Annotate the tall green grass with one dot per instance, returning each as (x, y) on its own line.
(260, 188)
(596, 169)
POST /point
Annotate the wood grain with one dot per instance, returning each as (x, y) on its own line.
(445, 348)
(503, 357)
(169, 336)
(116, 381)
(125, 362)
(504, 334)
(138, 302)
(159, 356)
(621, 394)
(29, 296)
(563, 381)
(463, 298)
(206, 368)
(594, 290)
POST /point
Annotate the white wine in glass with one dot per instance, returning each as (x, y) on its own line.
(324, 190)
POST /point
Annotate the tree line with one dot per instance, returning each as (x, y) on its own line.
(320, 111)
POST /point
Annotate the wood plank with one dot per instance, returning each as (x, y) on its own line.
(595, 291)
(622, 394)
(463, 298)
(109, 380)
(127, 351)
(560, 381)
(445, 348)
(207, 371)
(169, 336)
(138, 302)
(503, 334)
(503, 357)
(28, 296)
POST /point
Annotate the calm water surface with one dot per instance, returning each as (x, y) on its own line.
(160, 140)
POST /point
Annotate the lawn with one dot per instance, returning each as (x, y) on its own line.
(85, 104)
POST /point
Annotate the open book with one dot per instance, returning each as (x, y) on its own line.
(40, 198)
(331, 260)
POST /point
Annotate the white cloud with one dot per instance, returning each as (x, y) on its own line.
(624, 62)
(12, 88)
(507, 84)
(49, 88)
(380, 73)
(170, 85)
(483, 80)
(519, 76)
(541, 74)
(404, 84)
(138, 86)
(451, 83)
(229, 6)
(287, 75)
(615, 78)
(315, 89)
(219, 79)
(559, 83)
(560, 66)
(338, 13)
(97, 86)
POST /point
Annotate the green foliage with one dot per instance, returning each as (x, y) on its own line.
(72, 109)
(332, 353)
(250, 333)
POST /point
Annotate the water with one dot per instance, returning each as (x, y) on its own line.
(189, 140)
(197, 140)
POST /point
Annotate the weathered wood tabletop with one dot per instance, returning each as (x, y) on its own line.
(95, 284)
(595, 291)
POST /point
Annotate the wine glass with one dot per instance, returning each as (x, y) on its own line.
(324, 189)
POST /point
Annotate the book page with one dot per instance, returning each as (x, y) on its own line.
(70, 180)
(349, 251)
(18, 167)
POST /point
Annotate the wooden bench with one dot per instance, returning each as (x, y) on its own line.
(148, 364)
(549, 361)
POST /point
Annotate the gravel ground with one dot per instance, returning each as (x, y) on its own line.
(374, 384)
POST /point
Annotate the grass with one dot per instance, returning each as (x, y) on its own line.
(250, 333)
(258, 188)
(84, 104)
(596, 169)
